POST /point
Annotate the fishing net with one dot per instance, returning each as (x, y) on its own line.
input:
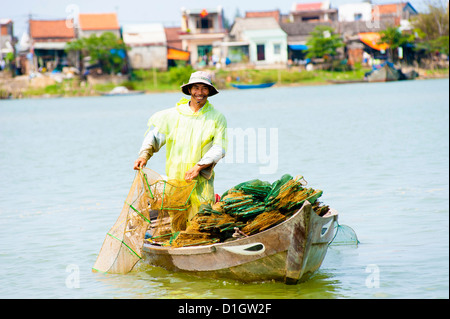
(245, 209)
(171, 199)
(149, 193)
(344, 235)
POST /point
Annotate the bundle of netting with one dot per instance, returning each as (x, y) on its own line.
(246, 209)
(291, 196)
(263, 221)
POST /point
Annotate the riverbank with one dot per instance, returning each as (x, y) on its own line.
(169, 81)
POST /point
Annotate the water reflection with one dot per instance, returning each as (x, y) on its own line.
(155, 282)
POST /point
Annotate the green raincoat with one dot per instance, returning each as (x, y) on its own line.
(189, 135)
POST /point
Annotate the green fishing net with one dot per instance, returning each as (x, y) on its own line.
(149, 192)
(344, 235)
(246, 209)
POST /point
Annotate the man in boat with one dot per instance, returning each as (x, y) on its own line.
(194, 133)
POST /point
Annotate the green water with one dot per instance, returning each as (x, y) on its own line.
(380, 153)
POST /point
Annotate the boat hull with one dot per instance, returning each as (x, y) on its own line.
(253, 86)
(289, 252)
(123, 94)
(386, 73)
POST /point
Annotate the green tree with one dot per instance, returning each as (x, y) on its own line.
(432, 28)
(323, 42)
(107, 49)
(395, 38)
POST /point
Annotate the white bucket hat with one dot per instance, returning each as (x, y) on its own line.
(200, 77)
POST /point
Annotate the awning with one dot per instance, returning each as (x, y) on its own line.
(175, 54)
(298, 47)
(372, 39)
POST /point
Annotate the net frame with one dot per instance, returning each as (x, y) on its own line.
(122, 246)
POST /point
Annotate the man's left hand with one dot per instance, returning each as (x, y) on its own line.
(192, 173)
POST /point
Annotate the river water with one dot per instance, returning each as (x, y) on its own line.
(380, 153)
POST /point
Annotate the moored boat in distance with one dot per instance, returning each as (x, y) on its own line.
(122, 90)
(386, 72)
(252, 86)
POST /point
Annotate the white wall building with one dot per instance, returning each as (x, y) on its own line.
(267, 42)
(355, 12)
(148, 45)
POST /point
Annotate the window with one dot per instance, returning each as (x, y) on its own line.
(358, 16)
(204, 23)
(260, 52)
(276, 48)
(311, 19)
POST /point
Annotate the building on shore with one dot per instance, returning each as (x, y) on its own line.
(350, 12)
(48, 39)
(264, 14)
(400, 13)
(98, 23)
(313, 12)
(258, 41)
(147, 45)
(201, 31)
(6, 37)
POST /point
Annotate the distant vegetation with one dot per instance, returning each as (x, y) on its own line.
(107, 50)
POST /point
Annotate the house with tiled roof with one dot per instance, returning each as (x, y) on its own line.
(258, 41)
(264, 14)
(313, 12)
(398, 12)
(98, 23)
(352, 32)
(48, 39)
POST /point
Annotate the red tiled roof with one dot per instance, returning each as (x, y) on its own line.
(263, 14)
(173, 37)
(313, 6)
(98, 21)
(50, 29)
(390, 8)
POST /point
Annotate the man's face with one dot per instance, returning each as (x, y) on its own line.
(199, 92)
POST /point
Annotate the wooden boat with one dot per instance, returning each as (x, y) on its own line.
(289, 252)
(387, 72)
(252, 86)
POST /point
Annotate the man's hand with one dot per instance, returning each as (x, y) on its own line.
(139, 163)
(192, 173)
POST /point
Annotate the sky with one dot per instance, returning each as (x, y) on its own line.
(167, 12)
